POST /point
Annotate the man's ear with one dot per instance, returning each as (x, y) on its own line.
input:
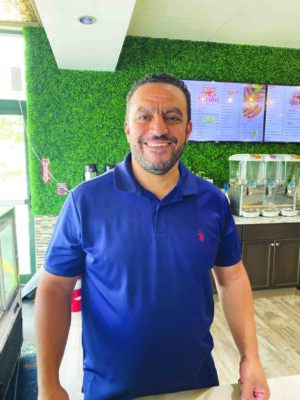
(126, 129)
(189, 129)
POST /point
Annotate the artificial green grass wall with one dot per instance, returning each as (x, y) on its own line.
(77, 117)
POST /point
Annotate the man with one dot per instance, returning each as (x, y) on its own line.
(144, 238)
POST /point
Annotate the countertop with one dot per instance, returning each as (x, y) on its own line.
(266, 220)
(281, 388)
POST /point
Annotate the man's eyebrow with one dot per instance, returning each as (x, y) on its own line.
(168, 110)
(174, 109)
(143, 109)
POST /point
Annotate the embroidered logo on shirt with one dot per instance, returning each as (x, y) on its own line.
(200, 236)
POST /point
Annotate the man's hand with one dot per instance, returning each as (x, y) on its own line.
(57, 393)
(252, 381)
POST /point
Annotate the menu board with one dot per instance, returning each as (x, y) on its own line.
(283, 114)
(224, 111)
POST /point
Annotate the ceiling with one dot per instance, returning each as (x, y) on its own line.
(97, 47)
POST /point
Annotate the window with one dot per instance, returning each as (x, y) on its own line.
(12, 71)
(14, 186)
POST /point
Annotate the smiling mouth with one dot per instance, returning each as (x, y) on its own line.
(159, 142)
(154, 145)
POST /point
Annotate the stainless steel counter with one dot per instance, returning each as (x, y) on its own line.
(266, 220)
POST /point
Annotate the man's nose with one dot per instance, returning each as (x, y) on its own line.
(158, 125)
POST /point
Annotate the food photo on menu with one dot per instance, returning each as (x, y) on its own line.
(254, 100)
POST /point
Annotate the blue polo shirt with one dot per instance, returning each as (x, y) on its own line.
(147, 303)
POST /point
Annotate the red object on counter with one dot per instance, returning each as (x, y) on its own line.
(76, 297)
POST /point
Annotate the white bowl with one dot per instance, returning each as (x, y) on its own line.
(270, 212)
(250, 213)
(288, 212)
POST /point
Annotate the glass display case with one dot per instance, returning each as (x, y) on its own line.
(9, 275)
(11, 332)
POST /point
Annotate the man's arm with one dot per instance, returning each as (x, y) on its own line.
(52, 323)
(236, 298)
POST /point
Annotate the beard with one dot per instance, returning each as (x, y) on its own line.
(158, 167)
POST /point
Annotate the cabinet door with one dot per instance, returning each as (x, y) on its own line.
(257, 258)
(286, 264)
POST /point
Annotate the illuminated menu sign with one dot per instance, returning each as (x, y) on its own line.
(283, 114)
(227, 111)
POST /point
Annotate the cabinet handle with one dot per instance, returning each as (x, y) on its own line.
(272, 244)
(277, 244)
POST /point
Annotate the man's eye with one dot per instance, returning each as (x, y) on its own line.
(143, 117)
(173, 118)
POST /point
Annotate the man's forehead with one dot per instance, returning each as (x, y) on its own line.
(158, 92)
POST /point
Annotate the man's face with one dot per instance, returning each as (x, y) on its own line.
(156, 126)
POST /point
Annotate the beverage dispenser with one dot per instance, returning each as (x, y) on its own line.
(264, 184)
(285, 196)
(275, 183)
(247, 178)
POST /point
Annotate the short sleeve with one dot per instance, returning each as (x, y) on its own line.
(229, 251)
(65, 256)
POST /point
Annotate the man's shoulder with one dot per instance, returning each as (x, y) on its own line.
(94, 185)
(204, 185)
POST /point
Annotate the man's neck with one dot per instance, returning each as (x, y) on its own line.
(160, 185)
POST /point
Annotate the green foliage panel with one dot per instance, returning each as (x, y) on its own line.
(77, 117)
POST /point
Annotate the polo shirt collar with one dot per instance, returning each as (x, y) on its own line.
(125, 180)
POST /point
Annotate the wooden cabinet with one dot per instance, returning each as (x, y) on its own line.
(271, 254)
(286, 263)
(257, 258)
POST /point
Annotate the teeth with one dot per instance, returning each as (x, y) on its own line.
(157, 144)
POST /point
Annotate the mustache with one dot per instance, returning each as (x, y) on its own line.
(161, 138)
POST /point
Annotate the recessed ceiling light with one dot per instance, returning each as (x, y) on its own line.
(87, 20)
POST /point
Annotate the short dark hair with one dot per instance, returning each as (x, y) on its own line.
(162, 78)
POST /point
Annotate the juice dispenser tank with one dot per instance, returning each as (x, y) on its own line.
(247, 178)
(264, 184)
(285, 197)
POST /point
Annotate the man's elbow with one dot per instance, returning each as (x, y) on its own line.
(227, 276)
